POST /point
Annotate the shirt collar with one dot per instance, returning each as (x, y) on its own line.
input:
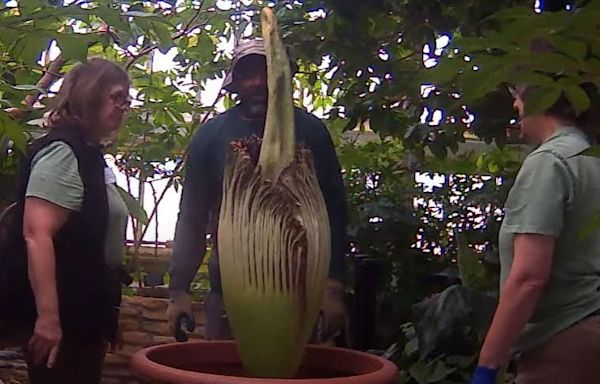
(566, 131)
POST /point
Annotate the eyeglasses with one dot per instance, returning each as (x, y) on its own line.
(121, 100)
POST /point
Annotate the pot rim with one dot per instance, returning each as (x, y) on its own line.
(148, 369)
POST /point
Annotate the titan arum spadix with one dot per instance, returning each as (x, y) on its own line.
(274, 236)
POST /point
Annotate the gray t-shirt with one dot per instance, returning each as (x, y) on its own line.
(55, 178)
(556, 194)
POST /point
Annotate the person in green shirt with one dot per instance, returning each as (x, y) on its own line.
(549, 308)
(73, 227)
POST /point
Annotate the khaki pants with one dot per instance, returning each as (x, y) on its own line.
(570, 357)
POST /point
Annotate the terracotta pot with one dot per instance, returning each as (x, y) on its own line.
(217, 362)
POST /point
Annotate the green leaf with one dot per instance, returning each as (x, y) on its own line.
(205, 48)
(477, 84)
(430, 372)
(26, 87)
(589, 227)
(73, 47)
(472, 43)
(442, 73)
(552, 63)
(133, 206)
(164, 36)
(113, 18)
(28, 48)
(578, 98)
(13, 131)
(411, 346)
(532, 78)
(461, 361)
(593, 151)
(192, 41)
(9, 36)
(493, 167)
(569, 46)
(512, 13)
(541, 99)
(138, 14)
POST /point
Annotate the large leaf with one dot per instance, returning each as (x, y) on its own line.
(9, 36)
(552, 63)
(541, 99)
(164, 36)
(29, 47)
(575, 49)
(133, 206)
(445, 71)
(446, 322)
(12, 130)
(73, 47)
(578, 98)
(476, 84)
(430, 372)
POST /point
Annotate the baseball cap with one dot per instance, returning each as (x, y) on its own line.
(243, 49)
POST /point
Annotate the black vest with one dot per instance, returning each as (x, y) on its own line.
(87, 292)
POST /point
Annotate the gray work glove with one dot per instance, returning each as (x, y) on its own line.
(180, 315)
(333, 312)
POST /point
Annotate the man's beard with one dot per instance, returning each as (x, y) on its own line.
(256, 109)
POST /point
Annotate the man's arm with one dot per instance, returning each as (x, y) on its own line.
(327, 166)
(190, 234)
(332, 186)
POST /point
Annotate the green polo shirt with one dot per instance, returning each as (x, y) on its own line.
(55, 178)
(556, 193)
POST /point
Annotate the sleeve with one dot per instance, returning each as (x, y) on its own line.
(196, 199)
(330, 179)
(55, 177)
(539, 197)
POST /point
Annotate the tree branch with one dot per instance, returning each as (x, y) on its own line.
(186, 30)
(51, 74)
(177, 169)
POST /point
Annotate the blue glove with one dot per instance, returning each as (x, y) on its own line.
(484, 375)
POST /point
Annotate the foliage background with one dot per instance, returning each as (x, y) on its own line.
(379, 69)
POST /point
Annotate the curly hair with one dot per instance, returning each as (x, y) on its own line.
(82, 93)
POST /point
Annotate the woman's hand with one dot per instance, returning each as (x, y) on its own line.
(44, 345)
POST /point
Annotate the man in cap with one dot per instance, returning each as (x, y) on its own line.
(199, 207)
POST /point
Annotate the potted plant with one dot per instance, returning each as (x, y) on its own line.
(274, 245)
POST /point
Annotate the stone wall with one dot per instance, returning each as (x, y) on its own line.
(142, 323)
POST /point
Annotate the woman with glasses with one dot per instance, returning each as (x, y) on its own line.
(548, 315)
(73, 226)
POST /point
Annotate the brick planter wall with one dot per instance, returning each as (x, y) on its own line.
(142, 323)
